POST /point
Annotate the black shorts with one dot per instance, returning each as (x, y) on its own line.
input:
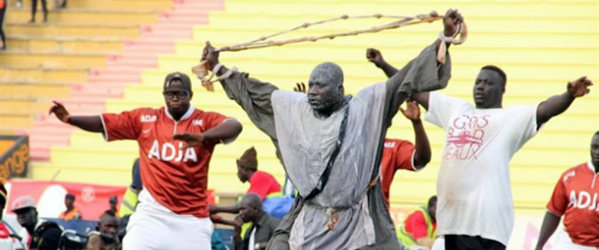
(465, 242)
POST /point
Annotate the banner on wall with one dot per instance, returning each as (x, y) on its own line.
(14, 156)
(91, 200)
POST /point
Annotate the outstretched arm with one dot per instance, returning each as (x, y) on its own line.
(421, 71)
(251, 94)
(376, 57)
(87, 123)
(550, 223)
(557, 104)
(225, 132)
(422, 156)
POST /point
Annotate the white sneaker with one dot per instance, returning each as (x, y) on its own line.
(19, 5)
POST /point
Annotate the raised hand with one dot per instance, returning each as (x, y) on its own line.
(451, 22)
(300, 87)
(374, 56)
(412, 110)
(60, 111)
(192, 139)
(579, 87)
(210, 55)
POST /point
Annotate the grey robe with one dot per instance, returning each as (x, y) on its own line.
(364, 221)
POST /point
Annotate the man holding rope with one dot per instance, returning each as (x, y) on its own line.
(481, 141)
(331, 145)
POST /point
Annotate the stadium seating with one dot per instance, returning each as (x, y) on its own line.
(120, 65)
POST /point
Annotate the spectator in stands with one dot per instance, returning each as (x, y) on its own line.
(419, 228)
(576, 198)
(112, 202)
(107, 238)
(480, 142)
(175, 143)
(341, 204)
(34, 9)
(130, 198)
(3, 7)
(262, 228)
(36, 233)
(72, 212)
(261, 183)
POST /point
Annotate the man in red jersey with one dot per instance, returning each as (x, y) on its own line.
(175, 147)
(402, 154)
(576, 197)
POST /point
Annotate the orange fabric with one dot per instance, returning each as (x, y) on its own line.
(5, 144)
(576, 197)
(397, 154)
(175, 176)
(73, 214)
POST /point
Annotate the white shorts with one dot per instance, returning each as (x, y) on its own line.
(563, 242)
(154, 226)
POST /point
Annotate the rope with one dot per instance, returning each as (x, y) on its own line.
(201, 71)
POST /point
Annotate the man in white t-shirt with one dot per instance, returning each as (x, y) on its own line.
(475, 207)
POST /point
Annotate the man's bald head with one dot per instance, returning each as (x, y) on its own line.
(250, 208)
(327, 73)
(252, 200)
(325, 89)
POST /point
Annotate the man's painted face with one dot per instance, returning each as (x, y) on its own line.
(488, 89)
(325, 87)
(27, 217)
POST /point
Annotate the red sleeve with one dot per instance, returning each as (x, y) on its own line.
(4, 232)
(126, 125)
(416, 224)
(404, 156)
(214, 119)
(559, 199)
(259, 184)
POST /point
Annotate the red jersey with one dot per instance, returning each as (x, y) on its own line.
(576, 196)
(176, 176)
(397, 154)
(263, 184)
(417, 225)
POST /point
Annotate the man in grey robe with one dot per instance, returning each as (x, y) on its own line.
(341, 206)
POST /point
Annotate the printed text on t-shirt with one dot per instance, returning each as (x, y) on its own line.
(465, 136)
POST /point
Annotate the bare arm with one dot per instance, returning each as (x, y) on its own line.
(422, 156)
(550, 223)
(226, 131)
(219, 209)
(557, 104)
(376, 57)
(87, 123)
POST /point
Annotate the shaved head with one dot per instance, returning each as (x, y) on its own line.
(328, 73)
(325, 89)
(250, 208)
(252, 200)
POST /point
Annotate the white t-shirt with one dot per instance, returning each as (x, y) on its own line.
(475, 197)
